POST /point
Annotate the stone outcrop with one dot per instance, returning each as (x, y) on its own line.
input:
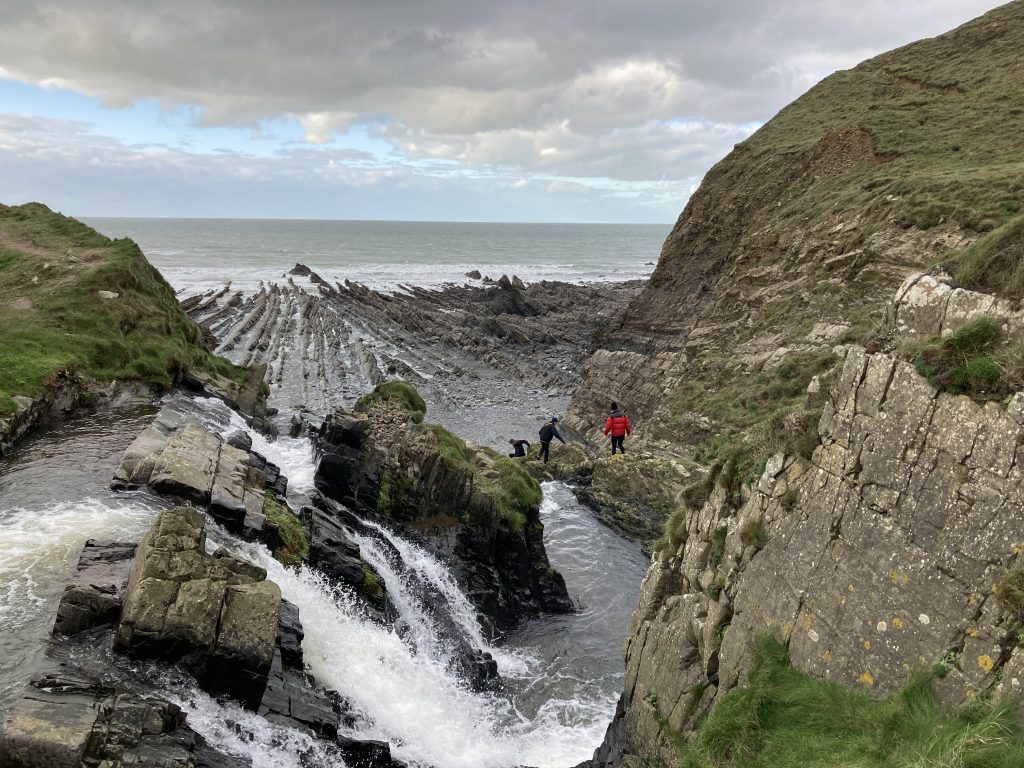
(68, 720)
(931, 304)
(878, 556)
(444, 341)
(178, 457)
(95, 594)
(217, 614)
(632, 493)
(453, 496)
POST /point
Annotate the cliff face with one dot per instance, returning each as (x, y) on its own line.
(887, 552)
(887, 541)
(799, 236)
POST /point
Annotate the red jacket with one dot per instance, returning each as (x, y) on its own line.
(617, 424)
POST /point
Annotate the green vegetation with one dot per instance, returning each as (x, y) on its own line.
(922, 135)
(500, 478)
(995, 263)
(754, 533)
(717, 550)
(786, 719)
(754, 415)
(400, 393)
(676, 531)
(1010, 592)
(975, 361)
(56, 326)
(371, 587)
(293, 546)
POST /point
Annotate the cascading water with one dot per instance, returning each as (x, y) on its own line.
(562, 673)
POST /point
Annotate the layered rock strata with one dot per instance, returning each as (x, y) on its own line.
(328, 343)
(878, 556)
(447, 493)
(179, 457)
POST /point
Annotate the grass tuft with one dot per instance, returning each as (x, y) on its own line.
(995, 263)
(1010, 592)
(786, 719)
(973, 361)
(400, 393)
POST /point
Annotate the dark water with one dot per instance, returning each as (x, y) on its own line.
(53, 496)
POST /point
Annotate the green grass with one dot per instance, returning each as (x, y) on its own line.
(513, 490)
(754, 533)
(676, 531)
(54, 324)
(1010, 593)
(995, 263)
(976, 361)
(293, 546)
(786, 719)
(400, 393)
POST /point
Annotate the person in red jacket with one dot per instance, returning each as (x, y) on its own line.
(618, 427)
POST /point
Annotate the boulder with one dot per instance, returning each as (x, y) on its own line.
(217, 614)
(94, 597)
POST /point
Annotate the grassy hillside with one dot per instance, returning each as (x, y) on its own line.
(820, 214)
(924, 134)
(53, 321)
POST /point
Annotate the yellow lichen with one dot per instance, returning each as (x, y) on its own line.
(867, 678)
(986, 663)
(899, 578)
(897, 623)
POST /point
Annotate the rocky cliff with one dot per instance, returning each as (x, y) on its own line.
(88, 319)
(797, 239)
(859, 419)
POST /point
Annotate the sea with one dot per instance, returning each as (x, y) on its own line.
(199, 254)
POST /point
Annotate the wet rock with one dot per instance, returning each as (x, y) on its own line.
(385, 463)
(367, 754)
(68, 720)
(473, 274)
(180, 458)
(214, 613)
(94, 597)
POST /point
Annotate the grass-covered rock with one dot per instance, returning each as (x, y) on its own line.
(784, 718)
(477, 508)
(74, 303)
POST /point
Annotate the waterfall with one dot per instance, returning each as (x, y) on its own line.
(400, 682)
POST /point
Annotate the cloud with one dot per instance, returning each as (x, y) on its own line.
(87, 174)
(639, 91)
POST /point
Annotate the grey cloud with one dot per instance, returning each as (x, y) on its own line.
(580, 87)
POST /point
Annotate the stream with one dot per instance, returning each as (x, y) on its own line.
(562, 674)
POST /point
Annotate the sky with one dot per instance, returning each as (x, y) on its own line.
(457, 110)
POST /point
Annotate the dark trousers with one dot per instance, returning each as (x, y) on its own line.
(544, 450)
(617, 441)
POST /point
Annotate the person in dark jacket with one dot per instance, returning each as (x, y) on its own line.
(617, 425)
(547, 433)
(518, 447)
